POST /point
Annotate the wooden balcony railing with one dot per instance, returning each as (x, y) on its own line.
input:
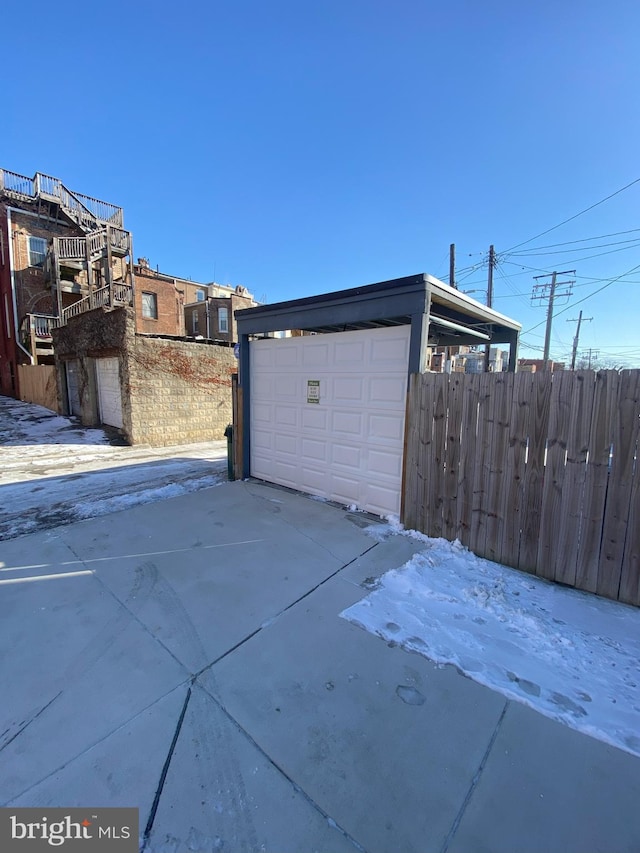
(75, 248)
(85, 209)
(109, 296)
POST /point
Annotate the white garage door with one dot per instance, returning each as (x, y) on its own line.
(327, 415)
(109, 396)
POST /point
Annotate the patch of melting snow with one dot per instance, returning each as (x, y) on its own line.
(567, 654)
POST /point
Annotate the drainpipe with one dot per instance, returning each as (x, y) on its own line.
(13, 290)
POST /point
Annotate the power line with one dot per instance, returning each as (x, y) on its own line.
(585, 239)
(532, 253)
(575, 216)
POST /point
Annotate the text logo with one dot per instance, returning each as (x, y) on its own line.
(110, 830)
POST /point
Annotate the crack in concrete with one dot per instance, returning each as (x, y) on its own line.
(100, 740)
(474, 782)
(316, 806)
(165, 769)
(273, 619)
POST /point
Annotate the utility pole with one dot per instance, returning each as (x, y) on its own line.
(549, 291)
(593, 353)
(574, 351)
(492, 263)
(452, 265)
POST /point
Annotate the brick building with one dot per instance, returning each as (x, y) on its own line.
(61, 252)
(213, 317)
(158, 301)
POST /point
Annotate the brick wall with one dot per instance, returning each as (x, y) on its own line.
(178, 391)
(169, 300)
(33, 296)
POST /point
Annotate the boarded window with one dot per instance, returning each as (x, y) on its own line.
(194, 322)
(149, 305)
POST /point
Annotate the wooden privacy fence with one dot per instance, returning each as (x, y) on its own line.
(538, 471)
(38, 384)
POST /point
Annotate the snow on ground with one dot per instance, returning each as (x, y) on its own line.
(567, 654)
(54, 471)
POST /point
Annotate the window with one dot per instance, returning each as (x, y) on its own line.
(37, 251)
(199, 295)
(149, 305)
(223, 319)
(194, 321)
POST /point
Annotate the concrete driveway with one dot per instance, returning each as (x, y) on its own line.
(187, 657)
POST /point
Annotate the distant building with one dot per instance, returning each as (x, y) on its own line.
(61, 253)
(212, 316)
(537, 365)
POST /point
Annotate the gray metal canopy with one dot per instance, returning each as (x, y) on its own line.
(439, 315)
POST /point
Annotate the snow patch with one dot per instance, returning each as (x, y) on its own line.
(567, 654)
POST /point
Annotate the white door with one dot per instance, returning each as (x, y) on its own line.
(109, 395)
(327, 415)
(73, 386)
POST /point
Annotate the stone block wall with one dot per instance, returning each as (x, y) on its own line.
(173, 391)
(178, 392)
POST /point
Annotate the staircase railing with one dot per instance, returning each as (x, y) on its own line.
(84, 209)
(105, 297)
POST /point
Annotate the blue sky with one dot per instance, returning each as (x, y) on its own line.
(302, 147)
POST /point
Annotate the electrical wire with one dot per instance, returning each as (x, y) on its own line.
(575, 216)
(629, 244)
(583, 240)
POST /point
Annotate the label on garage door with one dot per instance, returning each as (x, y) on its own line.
(313, 390)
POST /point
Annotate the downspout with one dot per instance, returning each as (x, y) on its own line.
(13, 289)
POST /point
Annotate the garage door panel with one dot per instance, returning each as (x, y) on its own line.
(382, 392)
(350, 389)
(348, 445)
(314, 450)
(383, 501)
(314, 418)
(286, 388)
(346, 455)
(286, 416)
(285, 356)
(265, 390)
(385, 426)
(393, 351)
(344, 488)
(262, 413)
(316, 354)
(385, 463)
(314, 480)
(347, 422)
(262, 440)
(350, 354)
(286, 472)
(287, 444)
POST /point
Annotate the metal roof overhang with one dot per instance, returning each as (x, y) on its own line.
(454, 318)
